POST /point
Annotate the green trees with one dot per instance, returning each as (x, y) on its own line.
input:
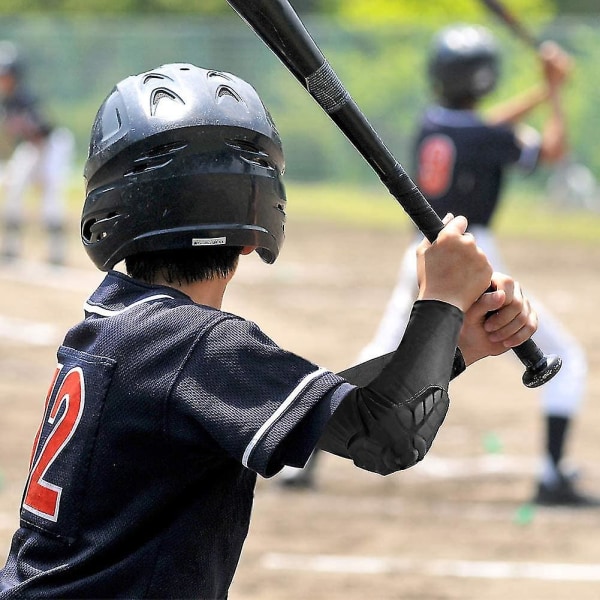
(76, 49)
(371, 12)
(362, 11)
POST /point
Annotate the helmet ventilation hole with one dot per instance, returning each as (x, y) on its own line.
(155, 76)
(224, 91)
(155, 158)
(212, 74)
(95, 230)
(162, 94)
(250, 153)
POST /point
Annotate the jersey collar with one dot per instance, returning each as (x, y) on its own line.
(118, 293)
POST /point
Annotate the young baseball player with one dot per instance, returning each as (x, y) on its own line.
(164, 408)
(42, 156)
(462, 160)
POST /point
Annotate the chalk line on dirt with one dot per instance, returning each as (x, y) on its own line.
(433, 567)
(29, 332)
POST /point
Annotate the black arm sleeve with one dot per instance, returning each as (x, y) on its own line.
(367, 371)
(389, 423)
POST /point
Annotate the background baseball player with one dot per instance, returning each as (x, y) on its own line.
(461, 163)
(164, 408)
(42, 157)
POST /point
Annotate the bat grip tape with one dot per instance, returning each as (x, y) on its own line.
(327, 89)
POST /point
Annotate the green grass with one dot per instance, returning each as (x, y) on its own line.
(354, 206)
(522, 214)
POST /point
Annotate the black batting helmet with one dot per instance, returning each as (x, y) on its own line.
(464, 63)
(179, 157)
(10, 61)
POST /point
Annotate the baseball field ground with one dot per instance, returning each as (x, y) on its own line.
(457, 526)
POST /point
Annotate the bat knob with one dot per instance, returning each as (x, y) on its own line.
(544, 370)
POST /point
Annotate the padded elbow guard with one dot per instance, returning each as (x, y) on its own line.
(392, 437)
(390, 423)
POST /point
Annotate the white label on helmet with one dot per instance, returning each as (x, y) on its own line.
(221, 241)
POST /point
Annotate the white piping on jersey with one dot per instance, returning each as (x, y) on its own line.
(106, 312)
(275, 416)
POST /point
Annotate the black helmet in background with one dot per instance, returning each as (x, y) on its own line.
(464, 64)
(182, 157)
(10, 61)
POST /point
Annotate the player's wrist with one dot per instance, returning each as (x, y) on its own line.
(443, 296)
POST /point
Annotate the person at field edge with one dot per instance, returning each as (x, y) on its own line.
(164, 408)
(41, 156)
(461, 160)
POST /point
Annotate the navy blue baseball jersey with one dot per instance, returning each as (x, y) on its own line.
(159, 416)
(22, 117)
(460, 162)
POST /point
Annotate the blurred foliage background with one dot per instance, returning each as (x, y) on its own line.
(75, 51)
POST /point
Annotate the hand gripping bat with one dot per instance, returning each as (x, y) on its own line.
(280, 28)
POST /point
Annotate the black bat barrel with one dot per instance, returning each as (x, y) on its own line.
(277, 24)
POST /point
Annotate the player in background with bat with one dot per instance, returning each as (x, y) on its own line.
(164, 408)
(462, 159)
(42, 156)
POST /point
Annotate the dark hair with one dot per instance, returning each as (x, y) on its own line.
(184, 266)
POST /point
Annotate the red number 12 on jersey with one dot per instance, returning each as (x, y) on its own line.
(42, 497)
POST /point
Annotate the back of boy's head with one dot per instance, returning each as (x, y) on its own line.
(463, 65)
(183, 162)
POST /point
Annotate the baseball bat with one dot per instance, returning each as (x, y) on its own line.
(512, 22)
(277, 24)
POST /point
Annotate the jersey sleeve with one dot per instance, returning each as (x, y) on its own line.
(507, 148)
(249, 395)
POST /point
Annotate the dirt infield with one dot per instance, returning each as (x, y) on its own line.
(454, 527)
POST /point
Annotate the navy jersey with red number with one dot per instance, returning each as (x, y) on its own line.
(21, 116)
(159, 416)
(460, 162)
